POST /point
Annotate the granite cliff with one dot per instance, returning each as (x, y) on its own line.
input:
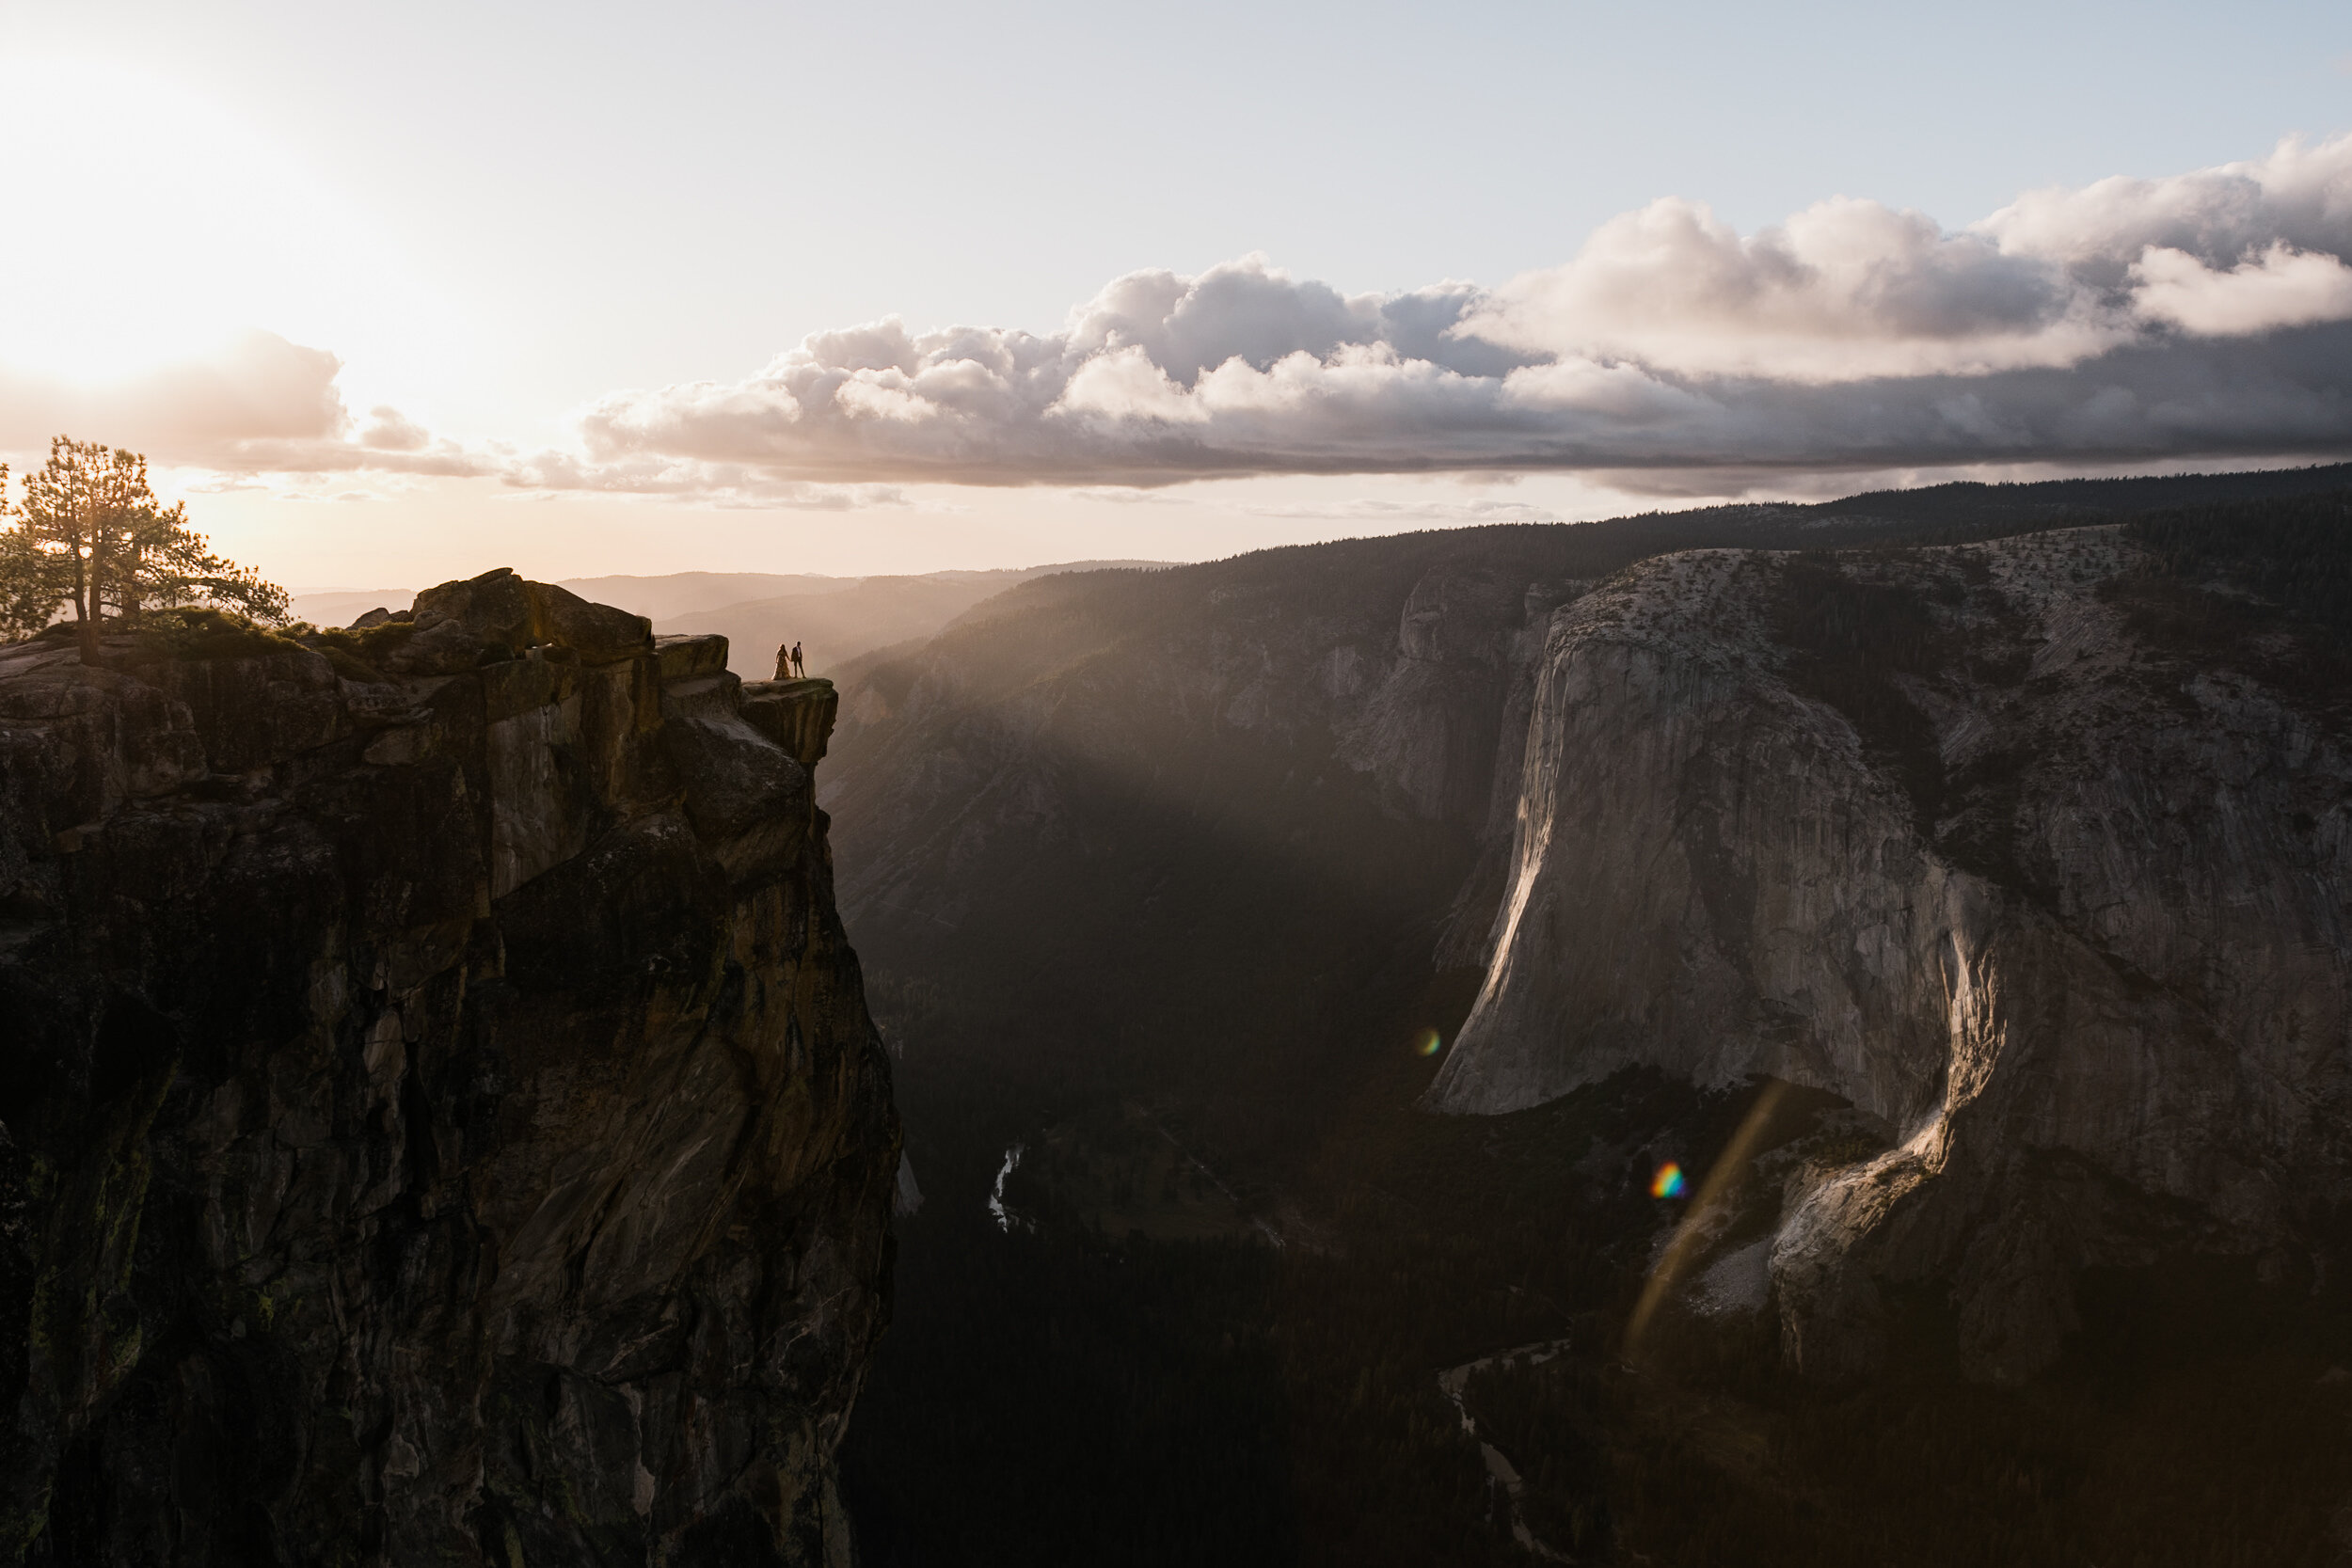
(2037, 851)
(442, 1120)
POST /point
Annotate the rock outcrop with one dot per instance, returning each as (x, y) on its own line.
(442, 1120)
(1977, 839)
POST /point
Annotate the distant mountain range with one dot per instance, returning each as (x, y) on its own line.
(834, 620)
(848, 617)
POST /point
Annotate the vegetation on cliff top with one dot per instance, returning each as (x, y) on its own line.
(2262, 588)
(90, 536)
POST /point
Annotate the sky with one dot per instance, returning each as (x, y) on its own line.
(396, 295)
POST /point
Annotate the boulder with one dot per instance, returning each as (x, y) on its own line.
(598, 632)
(501, 615)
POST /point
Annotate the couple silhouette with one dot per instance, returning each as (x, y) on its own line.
(788, 665)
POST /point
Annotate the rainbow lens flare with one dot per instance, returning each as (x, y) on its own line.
(1668, 1183)
(1427, 1042)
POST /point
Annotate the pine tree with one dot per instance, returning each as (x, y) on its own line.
(92, 535)
(28, 591)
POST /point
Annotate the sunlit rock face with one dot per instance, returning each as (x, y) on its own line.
(1968, 836)
(442, 1121)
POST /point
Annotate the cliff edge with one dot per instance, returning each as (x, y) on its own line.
(442, 1122)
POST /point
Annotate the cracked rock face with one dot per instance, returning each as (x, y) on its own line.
(2060, 903)
(442, 1121)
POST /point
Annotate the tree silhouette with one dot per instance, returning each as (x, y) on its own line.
(92, 535)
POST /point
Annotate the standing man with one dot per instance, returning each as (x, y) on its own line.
(799, 669)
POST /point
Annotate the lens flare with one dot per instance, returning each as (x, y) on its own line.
(1427, 1042)
(1668, 1183)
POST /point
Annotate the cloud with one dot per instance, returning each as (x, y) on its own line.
(1853, 290)
(389, 429)
(257, 386)
(258, 404)
(1844, 291)
(1366, 510)
(549, 474)
(2130, 320)
(2205, 315)
(2279, 288)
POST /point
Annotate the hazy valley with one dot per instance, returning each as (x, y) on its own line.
(1947, 882)
(835, 619)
